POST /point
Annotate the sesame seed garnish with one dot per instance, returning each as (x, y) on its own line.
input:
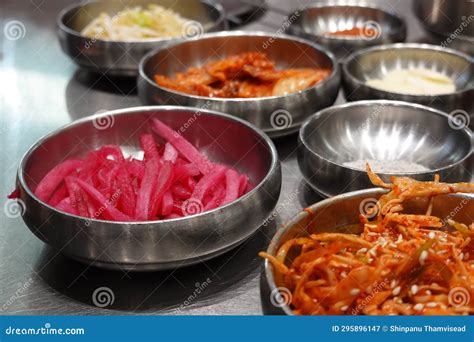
(431, 304)
(431, 235)
(362, 250)
(382, 242)
(393, 283)
(419, 307)
(344, 308)
(396, 291)
(355, 292)
(414, 289)
(399, 239)
(343, 274)
(423, 256)
(461, 255)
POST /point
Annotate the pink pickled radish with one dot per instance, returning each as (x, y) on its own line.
(232, 182)
(53, 178)
(182, 145)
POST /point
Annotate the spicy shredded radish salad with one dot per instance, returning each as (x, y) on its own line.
(401, 264)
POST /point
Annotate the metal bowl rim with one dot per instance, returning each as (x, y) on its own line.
(275, 242)
(334, 72)
(393, 103)
(431, 28)
(332, 4)
(64, 27)
(399, 46)
(140, 109)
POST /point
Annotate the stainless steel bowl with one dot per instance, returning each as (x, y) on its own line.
(335, 215)
(122, 58)
(275, 115)
(153, 245)
(316, 20)
(377, 61)
(450, 22)
(381, 130)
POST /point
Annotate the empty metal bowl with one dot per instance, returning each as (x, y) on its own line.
(377, 61)
(275, 115)
(381, 130)
(341, 214)
(153, 245)
(122, 58)
(317, 21)
(449, 21)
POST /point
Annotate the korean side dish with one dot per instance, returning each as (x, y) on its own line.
(355, 32)
(172, 180)
(414, 82)
(401, 264)
(246, 75)
(137, 23)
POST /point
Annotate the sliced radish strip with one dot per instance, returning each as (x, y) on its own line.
(148, 145)
(53, 178)
(182, 145)
(232, 181)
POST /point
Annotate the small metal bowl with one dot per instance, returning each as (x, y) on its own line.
(340, 214)
(316, 21)
(449, 22)
(275, 115)
(122, 58)
(381, 130)
(153, 245)
(377, 61)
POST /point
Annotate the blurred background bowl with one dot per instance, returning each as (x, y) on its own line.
(381, 130)
(153, 245)
(275, 115)
(450, 22)
(341, 214)
(378, 26)
(377, 61)
(122, 58)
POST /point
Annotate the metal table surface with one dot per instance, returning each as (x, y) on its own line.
(41, 89)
